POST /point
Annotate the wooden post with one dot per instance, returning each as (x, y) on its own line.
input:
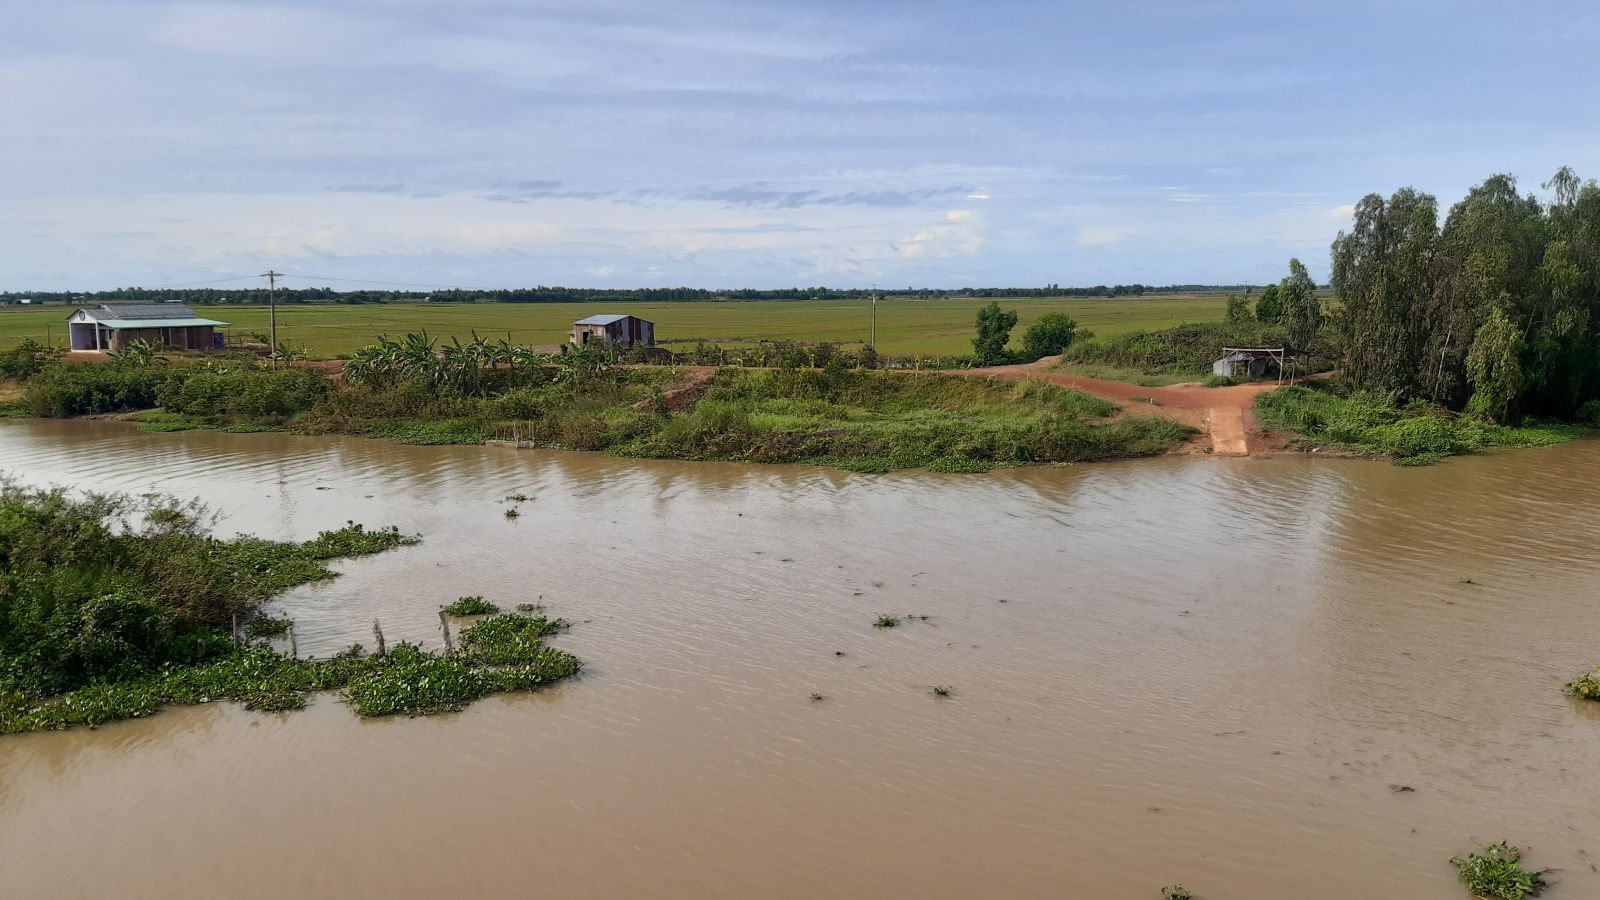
(294, 648)
(377, 635)
(444, 628)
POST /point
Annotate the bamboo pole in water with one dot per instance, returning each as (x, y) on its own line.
(444, 628)
(377, 635)
(294, 648)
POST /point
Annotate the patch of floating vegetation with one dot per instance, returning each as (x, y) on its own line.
(471, 606)
(499, 654)
(1495, 871)
(1586, 687)
(114, 606)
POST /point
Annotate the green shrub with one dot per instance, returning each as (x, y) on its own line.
(79, 389)
(244, 395)
(1417, 434)
(1049, 335)
(27, 359)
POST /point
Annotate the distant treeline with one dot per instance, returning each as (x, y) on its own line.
(205, 296)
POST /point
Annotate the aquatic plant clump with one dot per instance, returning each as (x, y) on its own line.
(471, 606)
(1495, 871)
(406, 681)
(102, 589)
(1586, 687)
(1176, 892)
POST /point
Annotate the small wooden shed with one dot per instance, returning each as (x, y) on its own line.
(1252, 362)
(169, 326)
(625, 332)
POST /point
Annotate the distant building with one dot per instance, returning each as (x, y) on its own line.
(170, 326)
(625, 332)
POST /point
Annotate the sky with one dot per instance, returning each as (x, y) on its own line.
(621, 143)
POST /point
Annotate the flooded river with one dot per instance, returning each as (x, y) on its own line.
(1214, 672)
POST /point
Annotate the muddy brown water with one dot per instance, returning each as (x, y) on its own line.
(1203, 671)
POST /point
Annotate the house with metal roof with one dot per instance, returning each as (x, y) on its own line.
(170, 326)
(624, 332)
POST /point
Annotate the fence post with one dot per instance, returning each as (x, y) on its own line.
(294, 648)
(444, 627)
(377, 635)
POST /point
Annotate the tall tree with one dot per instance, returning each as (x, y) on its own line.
(1494, 368)
(1302, 308)
(1382, 274)
(1269, 309)
(994, 332)
(1488, 251)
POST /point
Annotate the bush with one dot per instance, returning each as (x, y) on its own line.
(1049, 335)
(27, 359)
(244, 395)
(1191, 349)
(1418, 433)
(80, 389)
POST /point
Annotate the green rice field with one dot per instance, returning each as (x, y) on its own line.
(905, 326)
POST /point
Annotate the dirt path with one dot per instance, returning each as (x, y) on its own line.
(1222, 414)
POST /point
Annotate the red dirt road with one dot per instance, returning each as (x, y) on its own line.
(1222, 413)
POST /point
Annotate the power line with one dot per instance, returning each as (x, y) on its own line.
(166, 287)
(443, 287)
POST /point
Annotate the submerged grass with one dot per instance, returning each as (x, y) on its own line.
(1414, 434)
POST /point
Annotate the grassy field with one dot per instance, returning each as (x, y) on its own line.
(904, 326)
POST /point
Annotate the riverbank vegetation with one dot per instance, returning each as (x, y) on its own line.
(1332, 414)
(415, 391)
(113, 606)
(1185, 353)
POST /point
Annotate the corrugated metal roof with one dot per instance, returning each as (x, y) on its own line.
(142, 311)
(192, 321)
(600, 320)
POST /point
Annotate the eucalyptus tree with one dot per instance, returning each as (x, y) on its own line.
(1382, 275)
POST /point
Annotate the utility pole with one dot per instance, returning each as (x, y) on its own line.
(272, 304)
(874, 342)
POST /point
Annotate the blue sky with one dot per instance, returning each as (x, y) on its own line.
(622, 142)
